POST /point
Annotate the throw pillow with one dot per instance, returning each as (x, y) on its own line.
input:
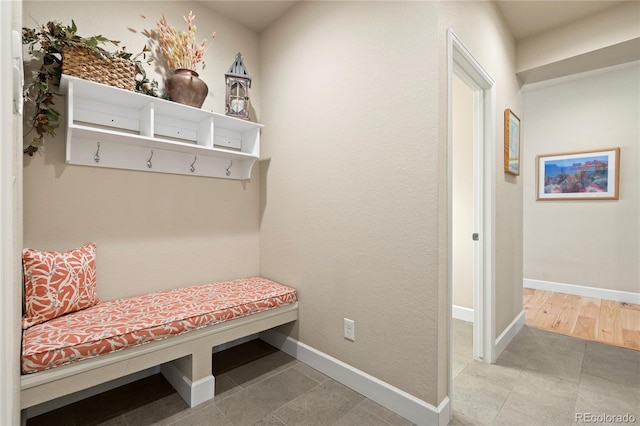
(57, 283)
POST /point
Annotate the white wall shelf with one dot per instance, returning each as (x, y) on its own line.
(116, 128)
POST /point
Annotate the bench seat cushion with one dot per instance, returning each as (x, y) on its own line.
(119, 324)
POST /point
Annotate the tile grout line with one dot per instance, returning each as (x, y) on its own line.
(297, 397)
(584, 355)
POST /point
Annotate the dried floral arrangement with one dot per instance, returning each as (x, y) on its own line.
(180, 49)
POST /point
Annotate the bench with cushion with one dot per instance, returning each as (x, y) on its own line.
(66, 349)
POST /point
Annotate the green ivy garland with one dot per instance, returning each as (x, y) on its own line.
(46, 43)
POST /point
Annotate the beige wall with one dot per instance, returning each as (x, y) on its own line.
(153, 231)
(462, 203)
(349, 213)
(354, 177)
(587, 243)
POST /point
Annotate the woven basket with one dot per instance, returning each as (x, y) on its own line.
(82, 63)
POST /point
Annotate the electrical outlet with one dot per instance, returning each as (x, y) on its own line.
(349, 329)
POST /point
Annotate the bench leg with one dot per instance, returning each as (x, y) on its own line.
(191, 376)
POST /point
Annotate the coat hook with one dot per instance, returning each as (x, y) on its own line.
(149, 163)
(193, 167)
(228, 172)
(96, 157)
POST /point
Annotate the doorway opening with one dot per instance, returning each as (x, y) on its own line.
(476, 207)
(464, 212)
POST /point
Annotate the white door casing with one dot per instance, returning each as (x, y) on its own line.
(462, 63)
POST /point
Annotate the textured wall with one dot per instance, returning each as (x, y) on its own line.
(349, 210)
(588, 243)
(153, 230)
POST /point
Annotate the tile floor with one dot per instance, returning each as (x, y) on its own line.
(255, 385)
(461, 345)
(544, 378)
(540, 379)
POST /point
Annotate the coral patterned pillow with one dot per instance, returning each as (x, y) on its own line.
(58, 283)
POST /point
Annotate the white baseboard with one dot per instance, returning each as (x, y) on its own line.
(54, 404)
(462, 313)
(194, 393)
(408, 406)
(508, 334)
(578, 290)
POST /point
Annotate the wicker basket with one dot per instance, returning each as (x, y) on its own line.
(82, 63)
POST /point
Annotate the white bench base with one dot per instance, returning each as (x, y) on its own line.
(194, 393)
(185, 361)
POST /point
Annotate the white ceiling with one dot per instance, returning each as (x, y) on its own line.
(253, 14)
(524, 17)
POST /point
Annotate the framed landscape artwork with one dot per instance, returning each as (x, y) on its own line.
(588, 175)
(511, 142)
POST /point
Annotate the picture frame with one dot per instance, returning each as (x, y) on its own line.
(584, 175)
(511, 142)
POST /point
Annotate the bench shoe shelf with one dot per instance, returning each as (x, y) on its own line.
(116, 128)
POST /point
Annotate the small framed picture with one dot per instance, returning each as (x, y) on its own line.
(511, 142)
(587, 175)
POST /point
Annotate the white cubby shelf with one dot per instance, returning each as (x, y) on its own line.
(117, 128)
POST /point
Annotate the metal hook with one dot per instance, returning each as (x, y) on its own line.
(193, 167)
(229, 172)
(96, 157)
(149, 163)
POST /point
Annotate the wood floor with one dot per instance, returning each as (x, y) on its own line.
(606, 321)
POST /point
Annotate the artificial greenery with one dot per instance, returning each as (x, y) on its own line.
(46, 43)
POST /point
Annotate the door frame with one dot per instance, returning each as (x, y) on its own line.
(462, 63)
(11, 212)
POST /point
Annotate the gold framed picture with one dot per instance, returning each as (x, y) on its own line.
(511, 142)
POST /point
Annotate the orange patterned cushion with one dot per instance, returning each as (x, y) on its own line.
(58, 283)
(123, 323)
